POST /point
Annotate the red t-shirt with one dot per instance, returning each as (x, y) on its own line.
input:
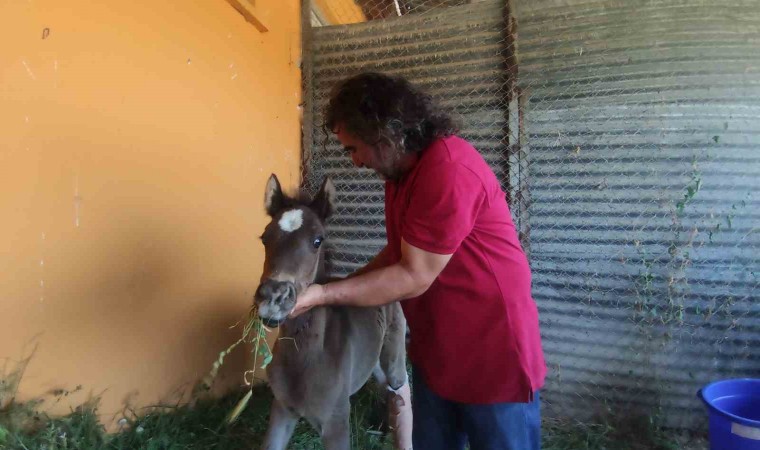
(474, 332)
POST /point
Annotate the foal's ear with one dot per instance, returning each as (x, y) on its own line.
(274, 200)
(324, 202)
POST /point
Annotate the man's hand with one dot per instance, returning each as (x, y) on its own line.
(311, 297)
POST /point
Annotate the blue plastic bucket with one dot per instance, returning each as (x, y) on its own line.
(734, 408)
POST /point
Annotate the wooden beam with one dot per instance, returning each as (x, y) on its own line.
(248, 10)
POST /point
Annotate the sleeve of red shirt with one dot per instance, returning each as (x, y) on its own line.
(443, 207)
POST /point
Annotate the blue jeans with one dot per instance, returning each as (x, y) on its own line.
(441, 424)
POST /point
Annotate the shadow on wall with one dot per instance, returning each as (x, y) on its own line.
(139, 307)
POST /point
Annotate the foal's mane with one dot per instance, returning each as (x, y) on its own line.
(302, 198)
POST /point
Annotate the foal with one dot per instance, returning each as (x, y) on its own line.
(326, 354)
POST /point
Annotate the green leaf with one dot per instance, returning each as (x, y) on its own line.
(267, 360)
(3, 435)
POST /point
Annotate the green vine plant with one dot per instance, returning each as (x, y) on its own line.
(724, 307)
(649, 306)
(729, 218)
(656, 304)
(695, 184)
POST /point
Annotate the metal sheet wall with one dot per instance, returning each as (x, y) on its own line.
(456, 54)
(642, 123)
(630, 148)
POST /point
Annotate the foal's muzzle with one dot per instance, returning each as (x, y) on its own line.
(275, 299)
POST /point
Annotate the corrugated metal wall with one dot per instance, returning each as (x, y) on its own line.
(631, 151)
(456, 54)
(643, 126)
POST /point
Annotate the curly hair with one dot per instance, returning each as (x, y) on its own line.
(381, 109)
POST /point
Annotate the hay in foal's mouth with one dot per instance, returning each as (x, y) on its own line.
(254, 333)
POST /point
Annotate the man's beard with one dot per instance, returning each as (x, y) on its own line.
(390, 160)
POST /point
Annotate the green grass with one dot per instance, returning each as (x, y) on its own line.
(634, 434)
(201, 426)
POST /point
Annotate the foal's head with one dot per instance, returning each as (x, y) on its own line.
(293, 248)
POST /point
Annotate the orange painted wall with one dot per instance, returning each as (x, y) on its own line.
(136, 139)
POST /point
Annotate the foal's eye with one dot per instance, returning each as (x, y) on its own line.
(318, 241)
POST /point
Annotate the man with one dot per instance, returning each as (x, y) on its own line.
(454, 261)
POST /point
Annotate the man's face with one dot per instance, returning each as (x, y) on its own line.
(385, 161)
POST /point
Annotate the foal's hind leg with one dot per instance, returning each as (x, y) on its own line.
(336, 432)
(393, 366)
(282, 423)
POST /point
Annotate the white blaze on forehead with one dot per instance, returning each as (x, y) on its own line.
(291, 220)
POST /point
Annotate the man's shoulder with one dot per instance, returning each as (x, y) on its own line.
(449, 149)
(453, 154)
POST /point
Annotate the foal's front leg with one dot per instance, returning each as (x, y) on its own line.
(282, 423)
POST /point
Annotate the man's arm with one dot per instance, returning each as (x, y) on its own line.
(408, 278)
